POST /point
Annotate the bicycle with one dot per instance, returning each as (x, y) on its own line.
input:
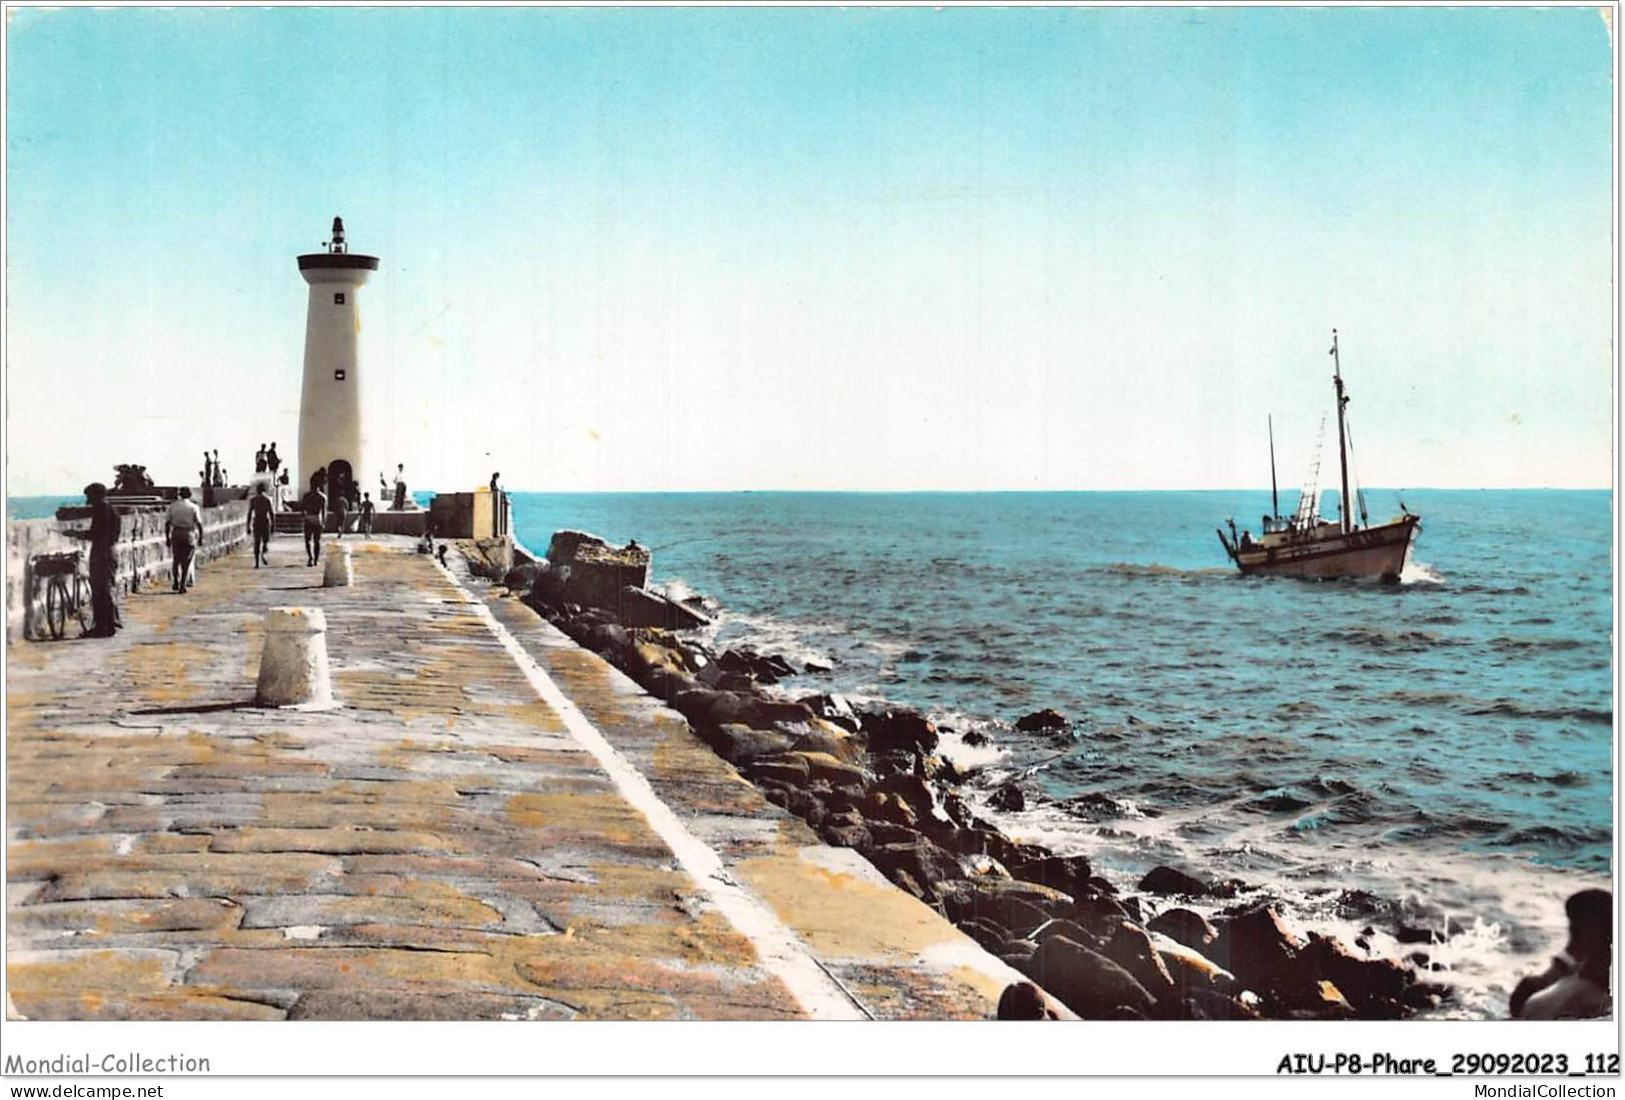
(61, 600)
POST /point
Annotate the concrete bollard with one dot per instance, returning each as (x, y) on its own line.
(340, 569)
(293, 667)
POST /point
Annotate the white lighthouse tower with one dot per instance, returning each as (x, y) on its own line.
(331, 436)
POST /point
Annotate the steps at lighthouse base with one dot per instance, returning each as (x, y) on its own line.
(384, 523)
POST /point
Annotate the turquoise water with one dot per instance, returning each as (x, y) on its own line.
(38, 507)
(1445, 742)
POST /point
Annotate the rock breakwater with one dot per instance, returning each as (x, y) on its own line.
(872, 780)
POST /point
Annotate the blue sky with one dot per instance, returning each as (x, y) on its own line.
(820, 248)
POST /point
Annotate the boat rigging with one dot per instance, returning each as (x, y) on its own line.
(1307, 546)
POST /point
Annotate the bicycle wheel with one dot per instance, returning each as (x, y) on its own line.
(56, 606)
(81, 604)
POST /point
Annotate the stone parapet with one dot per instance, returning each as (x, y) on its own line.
(141, 556)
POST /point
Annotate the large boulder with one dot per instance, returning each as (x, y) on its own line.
(637, 607)
(787, 769)
(647, 656)
(900, 730)
(1046, 719)
(837, 773)
(764, 669)
(817, 735)
(1021, 907)
(1191, 970)
(764, 712)
(596, 571)
(1167, 881)
(914, 791)
(707, 709)
(1073, 931)
(1375, 988)
(737, 744)
(1007, 798)
(845, 834)
(1212, 1004)
(927, 863)
(884, 806)
(611, 640)
(1087, 982)
(1260, 951)
(1100, 913)
(834, 709)
(1129, 947)
(989, 935)
(886, 832)
(1068, 874)
(521, 578)
(1184, 926)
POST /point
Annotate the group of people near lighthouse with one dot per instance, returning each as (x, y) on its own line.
(315, 508)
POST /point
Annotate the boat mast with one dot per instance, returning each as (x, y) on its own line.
(1275, 494)
(1342, 434)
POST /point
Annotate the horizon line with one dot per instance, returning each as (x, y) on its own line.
(965, 492)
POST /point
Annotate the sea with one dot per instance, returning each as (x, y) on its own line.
(1377, 760)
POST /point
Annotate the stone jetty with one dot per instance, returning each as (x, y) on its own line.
(489, 821)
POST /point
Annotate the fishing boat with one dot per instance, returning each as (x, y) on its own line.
(1304, 544)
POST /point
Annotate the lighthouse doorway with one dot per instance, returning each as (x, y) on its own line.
(340, 482)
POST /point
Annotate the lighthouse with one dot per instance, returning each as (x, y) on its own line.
(331, 434)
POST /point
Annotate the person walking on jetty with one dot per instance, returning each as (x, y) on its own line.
(314, 507)
(102, 536)
(208, 470)
(260, 460)
(1575, 985)
(260, 522)
(368, 510)
(272, 462)
(183, 528)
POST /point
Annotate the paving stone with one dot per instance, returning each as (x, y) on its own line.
(339, 840)
(414, 1004)
(92, 970)
(119, 915)
(90, 1005)
(331, 909)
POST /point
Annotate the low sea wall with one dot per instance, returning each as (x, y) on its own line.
(142, 554)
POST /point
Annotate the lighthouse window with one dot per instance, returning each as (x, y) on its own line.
(338, 299)
(338, 376)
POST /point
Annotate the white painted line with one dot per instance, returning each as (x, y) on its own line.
(782, 952)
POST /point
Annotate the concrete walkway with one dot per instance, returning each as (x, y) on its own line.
(493, 823)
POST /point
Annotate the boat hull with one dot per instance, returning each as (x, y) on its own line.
(1374, 553)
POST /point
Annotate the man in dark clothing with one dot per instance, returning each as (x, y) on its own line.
(260, 460)
(102, 536)
(272, 462)
(260, 522)
(368, 509)
(314, 506)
